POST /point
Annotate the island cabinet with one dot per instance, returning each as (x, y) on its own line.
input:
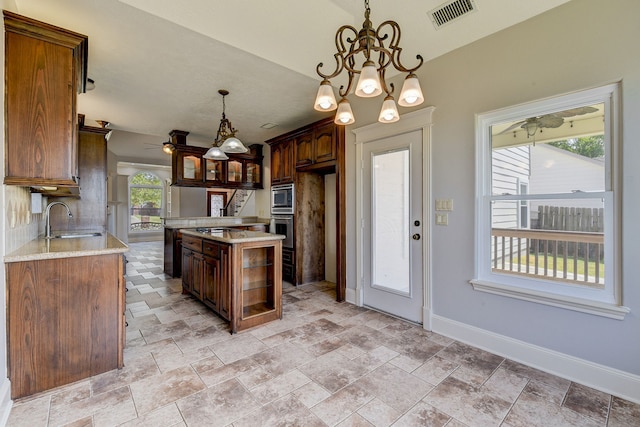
(65, 319)
(239, 279)
(257, 289)
(45, 68)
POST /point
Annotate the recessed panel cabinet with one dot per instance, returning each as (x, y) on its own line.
(65, 320)
(316, 146)
(45, 68)
(282, 166)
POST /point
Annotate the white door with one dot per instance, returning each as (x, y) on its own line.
(392, 225)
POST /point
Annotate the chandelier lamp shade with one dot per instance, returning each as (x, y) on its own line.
(226, 141)
(367, 48)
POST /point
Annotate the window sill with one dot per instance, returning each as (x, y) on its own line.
(597, 308)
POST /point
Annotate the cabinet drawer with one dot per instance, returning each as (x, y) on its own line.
(287, 256)
(211, 249)
(193, 243)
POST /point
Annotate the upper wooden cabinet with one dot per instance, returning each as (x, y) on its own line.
(190, 169)
(316, 146)
(282, 168)
(311, 148)
(45, 68)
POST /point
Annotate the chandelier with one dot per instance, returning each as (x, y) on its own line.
(226, 141)
(349, 44)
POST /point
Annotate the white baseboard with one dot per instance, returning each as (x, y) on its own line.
(5, 401)
(609, 380)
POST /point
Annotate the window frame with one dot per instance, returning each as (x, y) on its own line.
(604, 302)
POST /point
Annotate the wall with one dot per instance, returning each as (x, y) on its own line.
(578, 45)
(193, 201)
(14, 204)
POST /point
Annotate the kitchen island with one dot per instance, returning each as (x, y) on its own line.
(236, 273)
(65, 311)
(173, 236)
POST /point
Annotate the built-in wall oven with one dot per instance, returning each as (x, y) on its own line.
(282, 199)
(283, 224)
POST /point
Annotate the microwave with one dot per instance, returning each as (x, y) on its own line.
(282, 199)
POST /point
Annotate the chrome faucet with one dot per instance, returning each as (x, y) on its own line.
(47, 226)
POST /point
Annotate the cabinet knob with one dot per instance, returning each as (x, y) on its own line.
(416, 236)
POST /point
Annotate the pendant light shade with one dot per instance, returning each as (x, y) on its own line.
(233, 145)
(411, 94)
(389, 111)
(344, 115)
(325, 100)
(215, 153)
(369, 83)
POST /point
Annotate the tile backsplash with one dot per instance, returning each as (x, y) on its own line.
(20, 224)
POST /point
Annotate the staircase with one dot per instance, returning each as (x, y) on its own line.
(237, 202)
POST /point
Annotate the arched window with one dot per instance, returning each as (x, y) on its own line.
(145, 202)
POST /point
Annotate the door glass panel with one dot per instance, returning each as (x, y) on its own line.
(390, 217)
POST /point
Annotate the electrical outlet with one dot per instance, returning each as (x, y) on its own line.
(442, 219)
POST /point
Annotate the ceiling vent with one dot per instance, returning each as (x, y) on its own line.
(451, 11)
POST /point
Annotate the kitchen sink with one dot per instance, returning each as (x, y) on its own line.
(74, 235)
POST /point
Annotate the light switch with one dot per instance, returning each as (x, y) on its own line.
(444, 204)
(442, 219)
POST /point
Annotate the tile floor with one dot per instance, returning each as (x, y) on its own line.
(324, 364)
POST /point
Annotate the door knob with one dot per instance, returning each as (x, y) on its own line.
(416, 236)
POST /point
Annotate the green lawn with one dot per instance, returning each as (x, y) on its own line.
(591, 265)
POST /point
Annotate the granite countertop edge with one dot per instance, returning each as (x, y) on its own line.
(42, 249)
(233, 236)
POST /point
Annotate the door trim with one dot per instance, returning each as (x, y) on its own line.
(415, 120)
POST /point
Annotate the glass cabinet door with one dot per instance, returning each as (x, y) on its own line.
(189, 166)
(234, 171)
(253, 173)
(214, 171)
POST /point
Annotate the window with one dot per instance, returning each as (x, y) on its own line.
(548, 202)
(145, 202)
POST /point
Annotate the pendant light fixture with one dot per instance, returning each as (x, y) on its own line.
(370, 43)
(226, 141)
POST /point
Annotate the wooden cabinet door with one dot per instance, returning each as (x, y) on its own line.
(211, 282)
(286, 161)
(304, 149)
(187, 169)
(324, 143)
(40, 112)
(64, 320)
(282, 166)
(197, 278)
(276, 163)
(187, 269)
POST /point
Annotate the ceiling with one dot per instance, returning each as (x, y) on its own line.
(158, 64)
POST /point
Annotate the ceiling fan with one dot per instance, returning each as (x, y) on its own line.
(553, 120)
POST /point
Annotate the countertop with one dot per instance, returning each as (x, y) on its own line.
(226, 221)
(42, 248)
(230, 235)
(244, 224)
